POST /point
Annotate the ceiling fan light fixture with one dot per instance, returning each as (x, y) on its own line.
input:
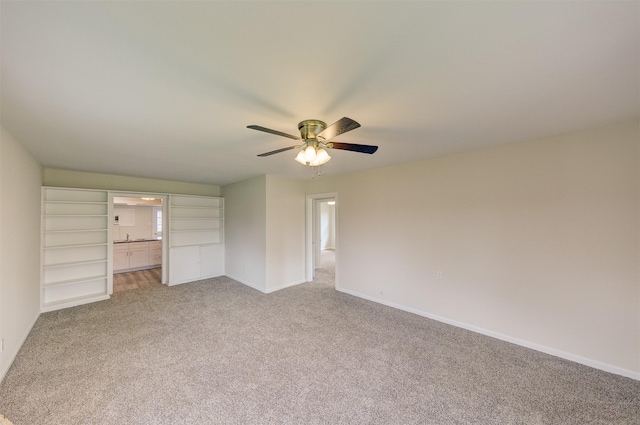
(300, 158)
(312, 156)
(310, 153)
(315, 136)
(322, 157)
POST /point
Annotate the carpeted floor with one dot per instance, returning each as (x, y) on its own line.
(325, 274)
(218, 352)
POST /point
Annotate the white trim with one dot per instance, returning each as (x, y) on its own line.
(11, 357)
(201, 278)
(74, 303)
(544, 349)
(270, 290)
(181, 282)
(286, 285)
(165, 230)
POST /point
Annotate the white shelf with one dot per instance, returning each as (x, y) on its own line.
(75, 209)
(204, 229)
(67, 239)
(186, 213)
(75, 215)
(196, 218)
(73, 263)
(196, 206)
(196, 201)
(72, 302)
(82, 245)
(75, 231)
(72, 195)
(72, 281)
(196, 244)
(77, 202)
(75, 240)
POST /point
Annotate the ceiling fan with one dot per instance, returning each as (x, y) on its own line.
(315, 137)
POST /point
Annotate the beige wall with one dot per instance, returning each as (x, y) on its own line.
(20, 182)
(246, 232)
(265, 232)
(537, 242)
(69, 178)
(285, 232)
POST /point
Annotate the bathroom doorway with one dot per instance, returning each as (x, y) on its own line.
(322, 238)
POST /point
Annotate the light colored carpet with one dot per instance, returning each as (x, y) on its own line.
(218, 352)
(325, 274)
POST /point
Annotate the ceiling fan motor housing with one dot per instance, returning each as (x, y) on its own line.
(309, 129)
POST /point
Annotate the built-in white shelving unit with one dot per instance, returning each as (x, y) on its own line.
(196, 237)
(75, 247)
(77, 257)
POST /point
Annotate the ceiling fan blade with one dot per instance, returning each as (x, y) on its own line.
(337, 128)
(268, 130)
(353, 147)
(279, 150)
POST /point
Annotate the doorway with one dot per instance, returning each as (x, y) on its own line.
(322, 238)
(138, 254)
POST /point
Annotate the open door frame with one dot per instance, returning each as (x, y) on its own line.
(165, 221)
(313, 231)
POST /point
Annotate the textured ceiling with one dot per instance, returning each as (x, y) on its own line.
(166, 89)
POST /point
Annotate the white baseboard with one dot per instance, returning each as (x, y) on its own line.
(74, 303)
(180, 282)
(286, 285)
(270, 290)
(11, 356)
(547, 350)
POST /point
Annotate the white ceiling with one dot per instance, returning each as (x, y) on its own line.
(166, 89)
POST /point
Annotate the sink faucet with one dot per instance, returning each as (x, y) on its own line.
(127, 236)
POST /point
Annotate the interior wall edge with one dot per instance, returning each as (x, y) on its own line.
(284, 286)
(246, 283)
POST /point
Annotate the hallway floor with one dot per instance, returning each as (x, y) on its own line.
(138, 279)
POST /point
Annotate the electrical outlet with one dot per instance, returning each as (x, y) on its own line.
(439, 275)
